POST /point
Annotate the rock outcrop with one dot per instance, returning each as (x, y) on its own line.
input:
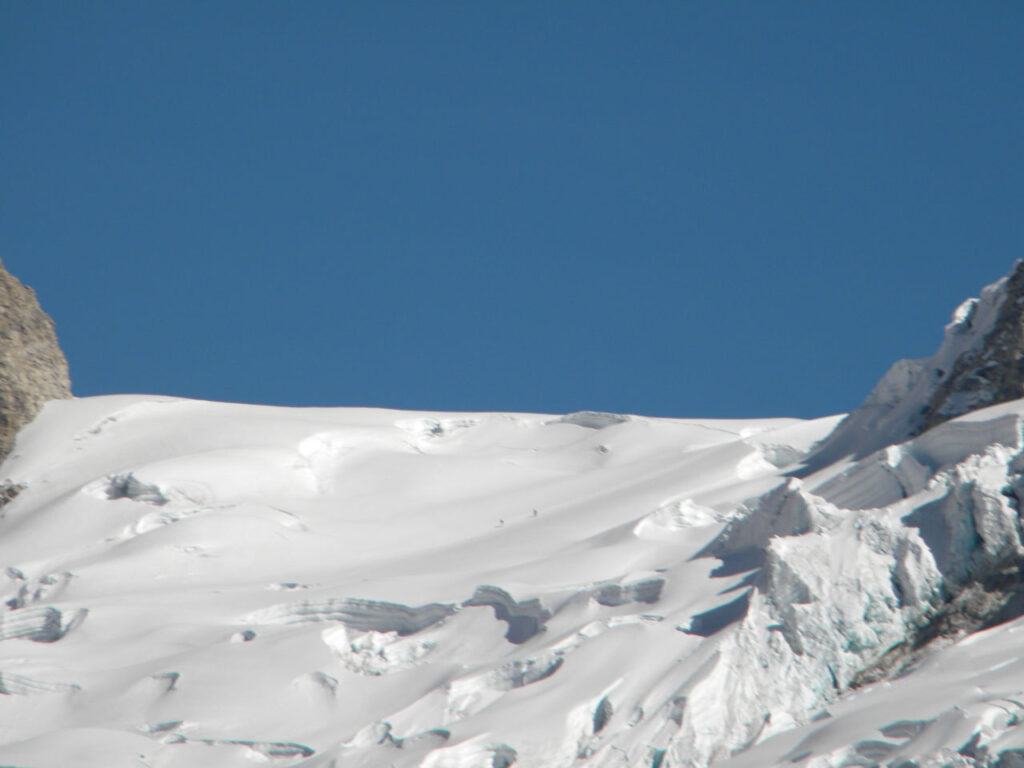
(992, 373)
(980, 363)
(33, 369)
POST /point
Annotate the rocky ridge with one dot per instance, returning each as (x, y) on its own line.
(991, 374)
(33, 369)
(979, 363)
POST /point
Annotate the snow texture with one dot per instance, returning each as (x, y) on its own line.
(197, 584)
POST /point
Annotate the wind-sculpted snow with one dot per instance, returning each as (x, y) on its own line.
(41, 625)
(431, 430)
(204, 584)
(12, 684)
(381, 734)
(367, 615)
(640, 592)
(675, 515)
(267, 749)
(525, 619)
(374, 652)
(129, 487)
(254, 750)
(472, 693)
(48, 587)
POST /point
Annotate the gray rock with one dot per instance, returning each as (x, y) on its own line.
(979, 363)
(990, 375)
(33, 369)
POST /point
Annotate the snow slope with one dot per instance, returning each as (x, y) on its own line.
(194, 584)
(201, 584)
(198, 584)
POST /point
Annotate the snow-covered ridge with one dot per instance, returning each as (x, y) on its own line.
(978, 364)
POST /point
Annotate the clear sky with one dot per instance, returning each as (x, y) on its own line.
(678, 209)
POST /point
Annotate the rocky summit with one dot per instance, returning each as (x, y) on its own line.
(33, 369)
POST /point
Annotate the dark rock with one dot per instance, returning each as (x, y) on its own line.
(9, 490)
(990, 375)
(979, 364)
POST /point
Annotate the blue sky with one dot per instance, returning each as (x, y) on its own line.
(678, 209)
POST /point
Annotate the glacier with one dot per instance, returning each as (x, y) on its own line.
(195, 584)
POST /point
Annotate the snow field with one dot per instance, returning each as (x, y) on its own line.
(193, 583)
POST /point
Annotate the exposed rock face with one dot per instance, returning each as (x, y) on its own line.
(33, 368)
(992, 374)
(980, 363)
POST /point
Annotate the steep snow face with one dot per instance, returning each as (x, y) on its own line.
(978, 364)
